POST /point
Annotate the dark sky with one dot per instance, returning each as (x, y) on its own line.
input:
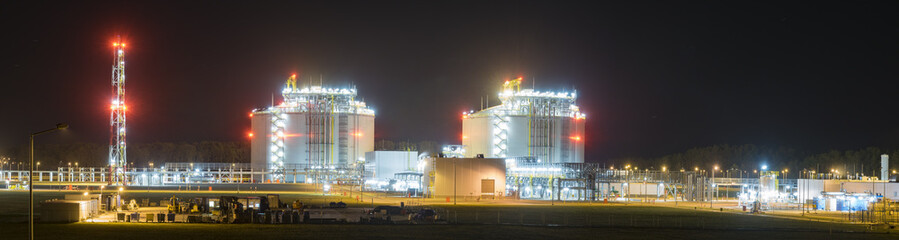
(653, 78)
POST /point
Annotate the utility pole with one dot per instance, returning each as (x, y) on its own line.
(712, 200)
(30, 179)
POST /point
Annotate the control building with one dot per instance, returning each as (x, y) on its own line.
(317, 131)
(546, 127)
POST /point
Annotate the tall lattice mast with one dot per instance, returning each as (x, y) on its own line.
(117, 163)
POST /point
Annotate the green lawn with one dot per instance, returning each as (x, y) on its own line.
(469, 221)
(139, 231)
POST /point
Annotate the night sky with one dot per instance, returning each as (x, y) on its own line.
(653, 78)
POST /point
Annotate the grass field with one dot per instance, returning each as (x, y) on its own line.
(138, 231)
(470, 220)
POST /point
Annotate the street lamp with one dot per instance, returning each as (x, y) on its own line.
(31, 184)
(714, 187)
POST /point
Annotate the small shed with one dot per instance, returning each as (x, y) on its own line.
(465, 177)
(67, 211)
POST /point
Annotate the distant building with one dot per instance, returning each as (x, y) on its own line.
(392, 171)
(453, 151)
(382, 165)
(814, 188)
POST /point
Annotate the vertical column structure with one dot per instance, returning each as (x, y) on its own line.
(117, 160)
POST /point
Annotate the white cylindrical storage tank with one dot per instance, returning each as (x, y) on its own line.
(314, 128)
(544, 126)
(884, 167)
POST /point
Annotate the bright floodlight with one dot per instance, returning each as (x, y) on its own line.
(764, 167)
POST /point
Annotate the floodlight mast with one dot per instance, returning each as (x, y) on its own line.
(117, 160)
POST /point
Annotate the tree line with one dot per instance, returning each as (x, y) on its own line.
(750, 157)
(142, 154)
(423, 147)
(138, 154)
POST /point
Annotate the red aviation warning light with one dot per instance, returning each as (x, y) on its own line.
(576, 138)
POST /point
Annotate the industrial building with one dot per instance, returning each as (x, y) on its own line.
(392, 170)
(545, 126)
(465, 177)
(815, 188)
(323, 132)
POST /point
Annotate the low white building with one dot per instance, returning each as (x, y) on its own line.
(392, 170)
(382, 165)
(812, 188)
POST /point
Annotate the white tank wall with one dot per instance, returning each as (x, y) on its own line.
(478, 138)
(359, 138)
(260, 142)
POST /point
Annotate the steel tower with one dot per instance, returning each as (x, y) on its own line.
(117, 162)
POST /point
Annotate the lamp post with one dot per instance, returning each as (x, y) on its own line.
(30, 184)
(627, 179)
(118, 200)
(714, 187)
